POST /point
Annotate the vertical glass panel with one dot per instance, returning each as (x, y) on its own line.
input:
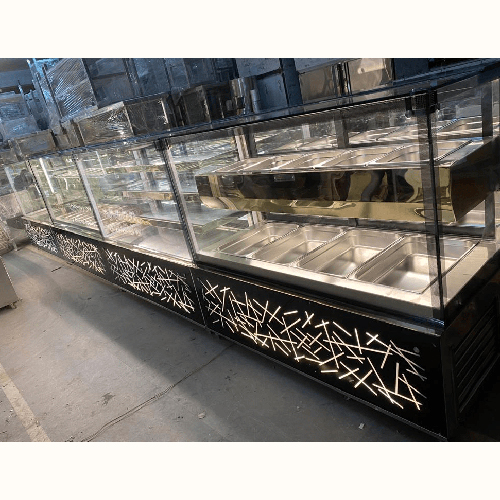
(10, 212)
(295, 134)
(469, 241)
(5, 186)
(457, 101)
(134, 197)
(62, 185)
(195, 159)
(26, 190)
(496, 105)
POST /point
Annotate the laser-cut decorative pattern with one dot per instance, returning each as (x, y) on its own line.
(153, 280)
(82, 253)
(41, 237)
(363, 358)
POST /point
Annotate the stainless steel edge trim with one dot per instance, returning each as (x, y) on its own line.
(180, 202)
(90, 196)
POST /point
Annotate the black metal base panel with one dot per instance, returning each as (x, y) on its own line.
(169, 284)
(396, 369)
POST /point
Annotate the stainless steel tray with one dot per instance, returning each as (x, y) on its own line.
(212, 236)
(363, 156)
(463, 127)
(347, 253)
(410, 155)
(409, 132)
(406, 265)
(323, 143)
(381, 182)
(311, 143)
(258, 164)
(308, 162)
(371, 136)
(246, 243)
(297, 244)
(308, 143)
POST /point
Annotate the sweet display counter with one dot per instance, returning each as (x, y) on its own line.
(357, 245)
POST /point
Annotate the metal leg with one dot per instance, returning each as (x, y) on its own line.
(489, 217)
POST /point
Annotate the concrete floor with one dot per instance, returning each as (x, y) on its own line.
(86, 356)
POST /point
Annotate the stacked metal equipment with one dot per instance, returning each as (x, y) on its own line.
(320, 79)
(101, 99)
(16, 123)
(124, 119)
(91, 101)
(15, 119)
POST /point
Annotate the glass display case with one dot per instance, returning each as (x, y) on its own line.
(342, 202)
(356, 244)
(9, 207)
(64, 191)
(26, 191)
(21, 197)
(191, 157)
(119, 193)
(134, 198)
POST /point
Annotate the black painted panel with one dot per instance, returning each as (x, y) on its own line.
(167, 283)
(394, 368)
